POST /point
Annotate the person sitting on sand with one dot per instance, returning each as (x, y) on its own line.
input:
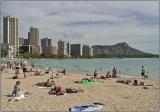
(135, 83)
(95, 74)
(108, 75)
(49, 83)
(16, 90)
(98, 76)
(38, 72)
(61, 90)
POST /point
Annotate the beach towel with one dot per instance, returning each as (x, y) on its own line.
(85, 82)
(17, 98)
(86, 108)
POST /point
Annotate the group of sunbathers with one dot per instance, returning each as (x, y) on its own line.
(108, 75)
(133, 83)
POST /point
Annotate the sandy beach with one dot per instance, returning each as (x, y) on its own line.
(115, 96)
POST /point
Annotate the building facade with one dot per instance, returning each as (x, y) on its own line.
(76, 50)
(54, 50)
(21, 41)
(91, 51)
(46, 45)
(10, 34)
(26, 42)
(87, 51)
(46, 42)
(33, 39)
(64, 48)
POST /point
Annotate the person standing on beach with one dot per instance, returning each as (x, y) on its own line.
(17, 69)
(143, 72)
(114, 73)
(64, 72)
(24, 67)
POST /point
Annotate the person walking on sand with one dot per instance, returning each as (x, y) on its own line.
(24, 67)
(142, 72)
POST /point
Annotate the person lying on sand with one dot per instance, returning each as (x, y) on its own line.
(128, 81)
(85, 79)
(49, 83)
(61, 90)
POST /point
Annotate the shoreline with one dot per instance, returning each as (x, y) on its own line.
(81, 72)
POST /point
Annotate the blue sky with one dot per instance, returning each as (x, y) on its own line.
(90, 22)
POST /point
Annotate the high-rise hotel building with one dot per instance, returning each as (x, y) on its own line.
(10, 34)
(33, 39)
(64, 48)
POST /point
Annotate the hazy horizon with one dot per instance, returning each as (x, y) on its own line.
(90, 22)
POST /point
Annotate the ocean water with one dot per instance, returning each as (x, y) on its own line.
(126, 66)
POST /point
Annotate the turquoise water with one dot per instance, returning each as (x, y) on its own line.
(127, 66)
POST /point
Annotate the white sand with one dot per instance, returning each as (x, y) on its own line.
(115, 96)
